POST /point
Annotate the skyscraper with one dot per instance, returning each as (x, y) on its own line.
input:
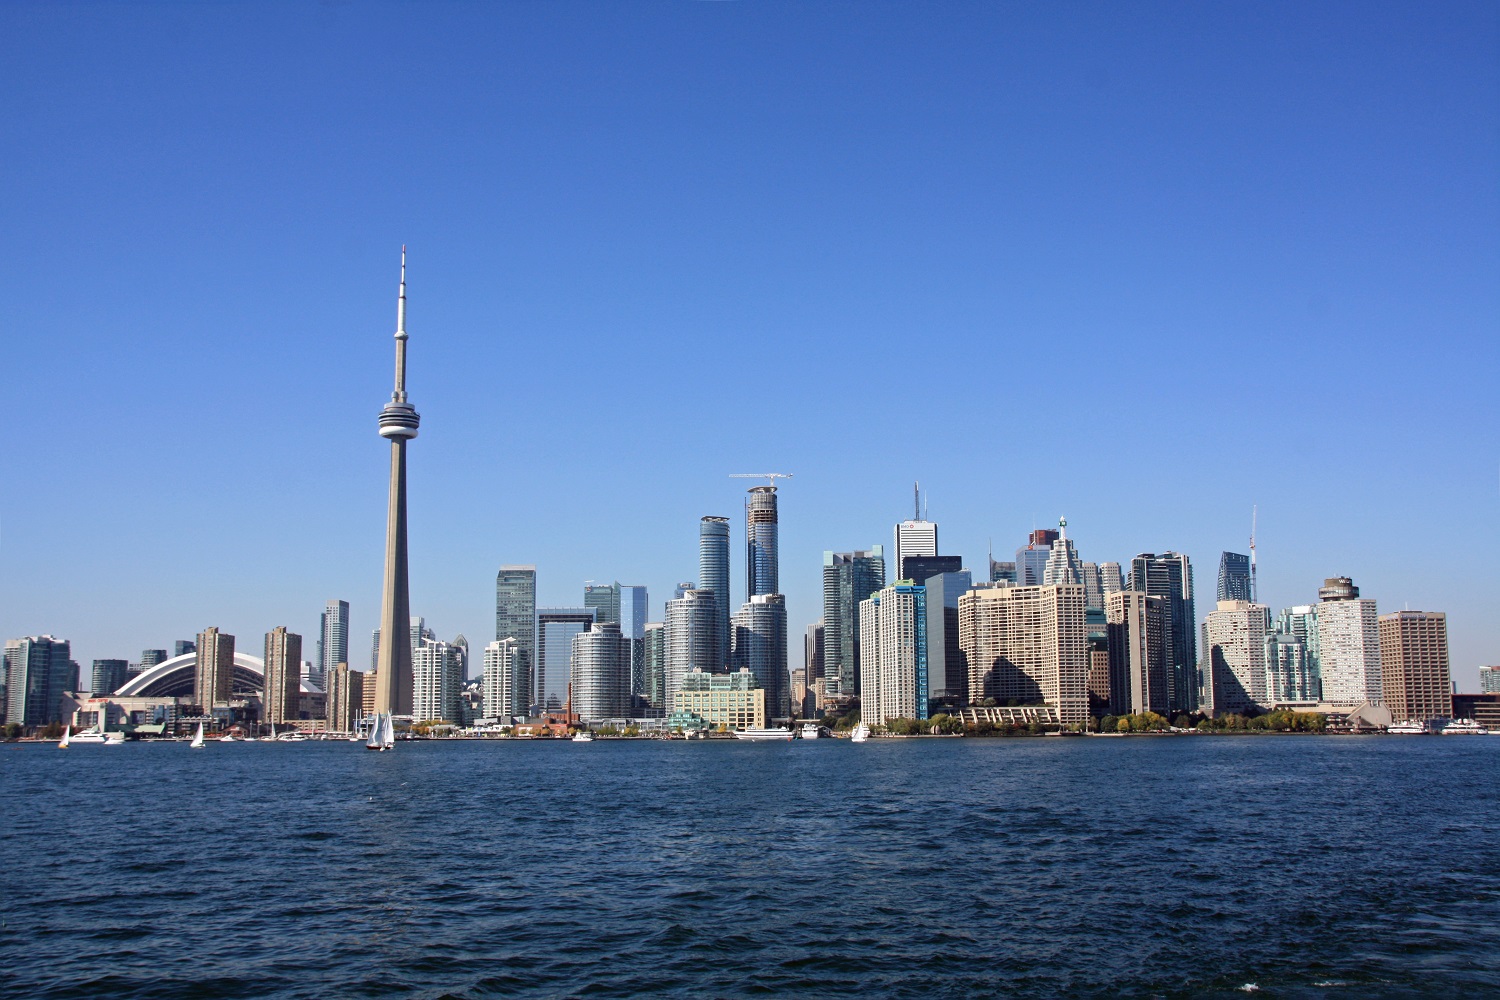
(1026, 646)
(515, 618)
(151, 657)
(635, 605)
(947, 680)
(1290, 676)
(1415, 679)
(604, 598)
(761, 544)
(38, 669)
(398, 423)
(691, 639)
(1300, 622)
(505, 693)
(556, 628)
(1348, 644)
(600, 664)
(713, 576)
(813, 669)
(1489, 680)
(437, 682)
(213, 674)
(1002, 572)
(1063, 565)
(893, 664)
(1031, 561)
(918, 568)
(283, 676)
(333, 641)
(1234, 577)
(1170, 575)
(848, 579)
(182, 647)
(1234, 640)
(917, 537)
(1140, 671)
(655, 691)
(109, 676)
(760, 641)
(346, 698)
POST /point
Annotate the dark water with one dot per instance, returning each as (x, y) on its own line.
(1300, 866)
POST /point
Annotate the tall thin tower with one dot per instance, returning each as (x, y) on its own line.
(398, 421)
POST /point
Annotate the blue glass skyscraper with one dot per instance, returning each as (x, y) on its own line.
(713, 576)
(761, 545)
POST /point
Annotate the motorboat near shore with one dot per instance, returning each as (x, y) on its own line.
(1464, 727)
(780, 733)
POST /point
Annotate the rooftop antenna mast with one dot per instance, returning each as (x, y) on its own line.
(1253, 511)
(916, 501)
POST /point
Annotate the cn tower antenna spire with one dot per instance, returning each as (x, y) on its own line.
(399, 395)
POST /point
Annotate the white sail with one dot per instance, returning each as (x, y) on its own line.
(197, 743)
(374, 741)
(62, 744)
(388, 733)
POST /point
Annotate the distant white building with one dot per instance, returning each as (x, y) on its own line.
(893, 681)
(1234, 642)
(504, 679)
(1348, 644)
(437, 681)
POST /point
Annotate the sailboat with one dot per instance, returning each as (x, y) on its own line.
(62, 744)
(197, 743)
(860, 734)
(382, 734)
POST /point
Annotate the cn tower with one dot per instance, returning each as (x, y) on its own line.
(398, 421)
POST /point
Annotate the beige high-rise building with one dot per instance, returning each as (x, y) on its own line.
(368, 703)
(1140, 653)
(1026, 646)
(283, 676)
(893, 676)
(346, 696)
(1347, 644)
(1234, 644)
(1414, 675)
(213, 674)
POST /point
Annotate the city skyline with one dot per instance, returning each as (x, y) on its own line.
(1312, 205)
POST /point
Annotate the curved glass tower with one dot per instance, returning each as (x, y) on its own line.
(713, 576)
(761, 542)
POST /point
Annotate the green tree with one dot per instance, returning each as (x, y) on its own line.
(1109, 724)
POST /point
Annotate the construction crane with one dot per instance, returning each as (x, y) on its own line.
(772, 476)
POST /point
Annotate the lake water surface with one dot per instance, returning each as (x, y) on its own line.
(1173, 867)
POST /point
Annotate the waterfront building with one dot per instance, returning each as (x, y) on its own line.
(760, 646)
(634, 611)
(504, 680)
(398, 424)
(556, 628)
(1002, 572)
(1063, 565)
(1170, 575)
(1139, 655)
(1483, 708)
(437, 682)
(108, 676)
(1415, 680)
(346, 698)
(1290, 677)
(762, 545)
(182, 647)
(604, 598)
(1348, 644)
(692, 644)
(813, 650)
(1489, 680)
(1234, 577)
(601, 673)
(333, 641)
(848, 579)
(283, 676)
(1025, 646)
(893, 666)
(38, 670)
(713, 576)
(732, 701)
(1031, 561)
(655, 691)
(1234, 641)
(947, 679)
(214, 671)
(515, 618)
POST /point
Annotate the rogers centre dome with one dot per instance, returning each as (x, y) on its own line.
(174, 679)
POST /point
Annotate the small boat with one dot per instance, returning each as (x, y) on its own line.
(64, 743)
(86, 736)
(1407, 728)
(860, 734)
(115, 739)
(811, 731)
(197, 743)
(292, 737)
(227, 738)
(780, 733)
(1464, 727)
(583, 736)
(382, 734)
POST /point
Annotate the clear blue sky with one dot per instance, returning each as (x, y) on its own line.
(1142, 265)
